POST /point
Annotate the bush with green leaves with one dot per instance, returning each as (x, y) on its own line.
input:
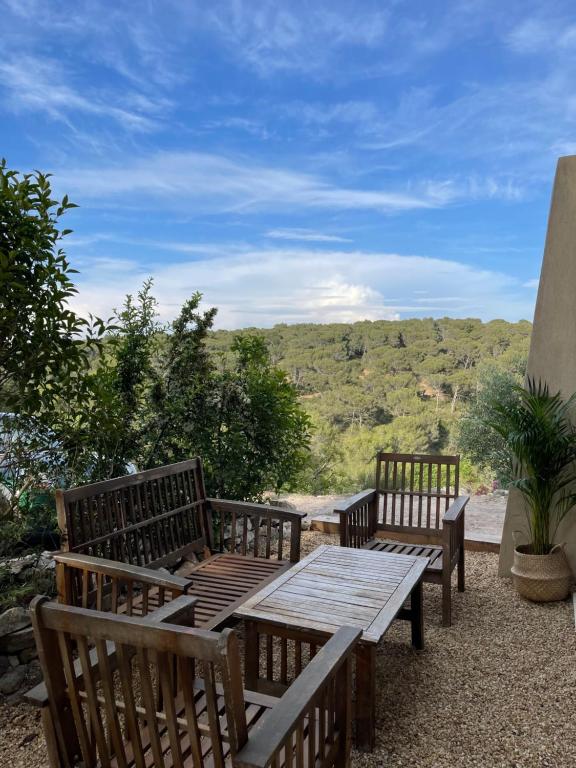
(45, 344)
(46, 347)
(486, 450)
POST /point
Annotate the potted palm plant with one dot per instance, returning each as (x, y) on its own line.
(541, 440)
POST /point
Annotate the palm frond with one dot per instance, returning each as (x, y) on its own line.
(542, 442)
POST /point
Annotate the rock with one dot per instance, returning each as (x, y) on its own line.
(34, 672)
(4, 664)
(17, 564)
(282, 503)
(28, 654)
(46, 561)
(305, 524)
(13, 661)
(14, 619)
(12, 680)
(17, 641)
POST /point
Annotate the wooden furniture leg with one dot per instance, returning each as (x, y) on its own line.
(417, 616)
(365, 697)
(251, 656)
(461, 577)
(446, 597)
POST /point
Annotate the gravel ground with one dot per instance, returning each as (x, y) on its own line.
(497, 689)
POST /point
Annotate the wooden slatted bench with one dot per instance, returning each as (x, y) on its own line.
(114, 532)
(415, 510)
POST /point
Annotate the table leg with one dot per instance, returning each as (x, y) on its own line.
(251, 656)
(417, 616)
(365, 714)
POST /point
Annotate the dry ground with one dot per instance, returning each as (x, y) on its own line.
(497, 689)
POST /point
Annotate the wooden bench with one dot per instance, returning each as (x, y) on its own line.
(173, 698)
(415, 509)
(114, 532)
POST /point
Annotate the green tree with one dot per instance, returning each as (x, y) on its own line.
(475, 438)
(261, 437)
(180, 417)
(46, 347)
(98, 428)
(45, 344)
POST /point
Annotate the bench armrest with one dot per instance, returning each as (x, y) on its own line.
(253, 508)
(236, 513)
(311, 690)
(358, 518)
(122, 571)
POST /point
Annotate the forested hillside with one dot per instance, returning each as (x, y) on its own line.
(390, 385)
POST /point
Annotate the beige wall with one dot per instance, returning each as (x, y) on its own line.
(552, 355)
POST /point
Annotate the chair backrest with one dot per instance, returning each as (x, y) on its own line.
(416, 490)
(150, 518)
(124, 691)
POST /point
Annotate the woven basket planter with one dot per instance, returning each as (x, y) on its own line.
(541, 578)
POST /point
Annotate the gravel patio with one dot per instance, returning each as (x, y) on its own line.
(496, 689)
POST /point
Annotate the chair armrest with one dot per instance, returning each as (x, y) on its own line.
(124, 571)
(456, 509)
(358, 518)
(453, 531)
(242, 510)
(178, 611)
(352, 503)
(269, 736)
(252, 508)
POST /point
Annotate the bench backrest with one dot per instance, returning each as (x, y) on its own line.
(155, 701)
(150, 518)
(415, 491)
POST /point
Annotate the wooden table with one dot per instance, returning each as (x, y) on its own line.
(331, 588)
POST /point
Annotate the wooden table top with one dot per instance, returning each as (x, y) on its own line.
(335, 587)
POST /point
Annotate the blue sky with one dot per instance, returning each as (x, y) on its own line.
(297, 161)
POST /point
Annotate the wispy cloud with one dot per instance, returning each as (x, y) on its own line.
(306, 235)
(40, 85)
(217, 183)
(269, 37)
(534, 283)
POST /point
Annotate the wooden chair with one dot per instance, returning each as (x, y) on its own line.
(172, 697)
(117, 530)
(417, 504)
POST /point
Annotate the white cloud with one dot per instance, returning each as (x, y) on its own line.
(261, 287)
(269, 37)
(542, 34)
(215, 183)
(534, 283)
(306, 235)
(39, 84)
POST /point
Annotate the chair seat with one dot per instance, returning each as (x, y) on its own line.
(221, 582)
(416, 550)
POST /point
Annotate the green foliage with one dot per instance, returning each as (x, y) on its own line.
(261, 438)
(44, 343)
(179, 418)
(396, 385)
(541, 440)
(475, 438)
